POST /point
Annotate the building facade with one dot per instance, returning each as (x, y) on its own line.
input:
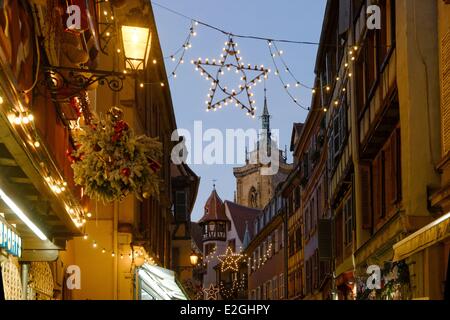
(265, 249)
(67, 75)
(377, 114)
(224, 226)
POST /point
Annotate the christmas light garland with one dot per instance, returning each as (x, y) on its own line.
(351, 49)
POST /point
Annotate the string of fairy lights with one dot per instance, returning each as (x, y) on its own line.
(132, 255)
(277, 59)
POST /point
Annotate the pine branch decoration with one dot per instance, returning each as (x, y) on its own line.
(110, 162)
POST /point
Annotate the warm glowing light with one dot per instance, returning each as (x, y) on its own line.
(136, 44)
(14, 208)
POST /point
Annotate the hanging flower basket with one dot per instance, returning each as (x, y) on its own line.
(110, 162)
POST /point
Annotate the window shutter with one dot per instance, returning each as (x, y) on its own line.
(396, 159)
(445, 83)
(339, 235)
(389, 175)
(366, 206)
(376, 186)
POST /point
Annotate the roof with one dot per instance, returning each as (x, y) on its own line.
(242, 215)
(214, 209)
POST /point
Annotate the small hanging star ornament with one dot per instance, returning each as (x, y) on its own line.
(230, 260)
(211, 293)
(241, 96)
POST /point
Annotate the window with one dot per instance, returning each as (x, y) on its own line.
(281, 231)
(308, 276)
(290, 205)
(319, 204)
(181, 212)
(276, 241)
(291, 244)
(264, 291)
(339, 237)
(269, 290)
(298, 282)
(275, 288)
(281, 286)
(316, 269)
(258, 293)
(253, 295)
(297, 197)
(366, 70)
(305, 166)
(387, 32)
(307, 222)
(348, 221)
(386, 178)
(313, 213)
(298, 239)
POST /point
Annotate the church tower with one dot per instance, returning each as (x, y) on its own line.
(214, 224)
(254, 189)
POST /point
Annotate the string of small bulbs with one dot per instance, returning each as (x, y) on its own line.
(23, 120)
(132, 255)
(275, 52)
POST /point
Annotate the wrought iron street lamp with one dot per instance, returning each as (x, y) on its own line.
(193, 258)
(135, 39)
(136, 43)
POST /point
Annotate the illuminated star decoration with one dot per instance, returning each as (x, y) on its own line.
(230, 260)
(212, 292)
(235, 94)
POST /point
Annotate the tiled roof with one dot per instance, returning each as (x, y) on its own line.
(240, 215)
(214, 209)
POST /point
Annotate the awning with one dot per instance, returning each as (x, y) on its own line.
(429, 235)
(157, 283)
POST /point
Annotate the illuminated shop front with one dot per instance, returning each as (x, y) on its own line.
(156, 283)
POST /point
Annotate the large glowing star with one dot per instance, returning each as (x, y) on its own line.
(230, 260)
(242, 95)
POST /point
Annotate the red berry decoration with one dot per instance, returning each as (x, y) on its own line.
(126, 172)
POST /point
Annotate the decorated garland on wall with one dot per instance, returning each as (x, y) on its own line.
(110, 162)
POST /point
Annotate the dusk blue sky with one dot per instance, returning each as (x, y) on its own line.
(299, 20)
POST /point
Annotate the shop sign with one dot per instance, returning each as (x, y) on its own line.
(10, 240)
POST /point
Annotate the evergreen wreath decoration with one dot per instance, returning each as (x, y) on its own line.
(110, 162)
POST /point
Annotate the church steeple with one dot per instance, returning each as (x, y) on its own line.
(265, 116)
(267, 136)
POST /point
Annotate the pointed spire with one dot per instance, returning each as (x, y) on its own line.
(267, 136)
(266, 115)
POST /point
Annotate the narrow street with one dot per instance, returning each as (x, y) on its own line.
(243, 152)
